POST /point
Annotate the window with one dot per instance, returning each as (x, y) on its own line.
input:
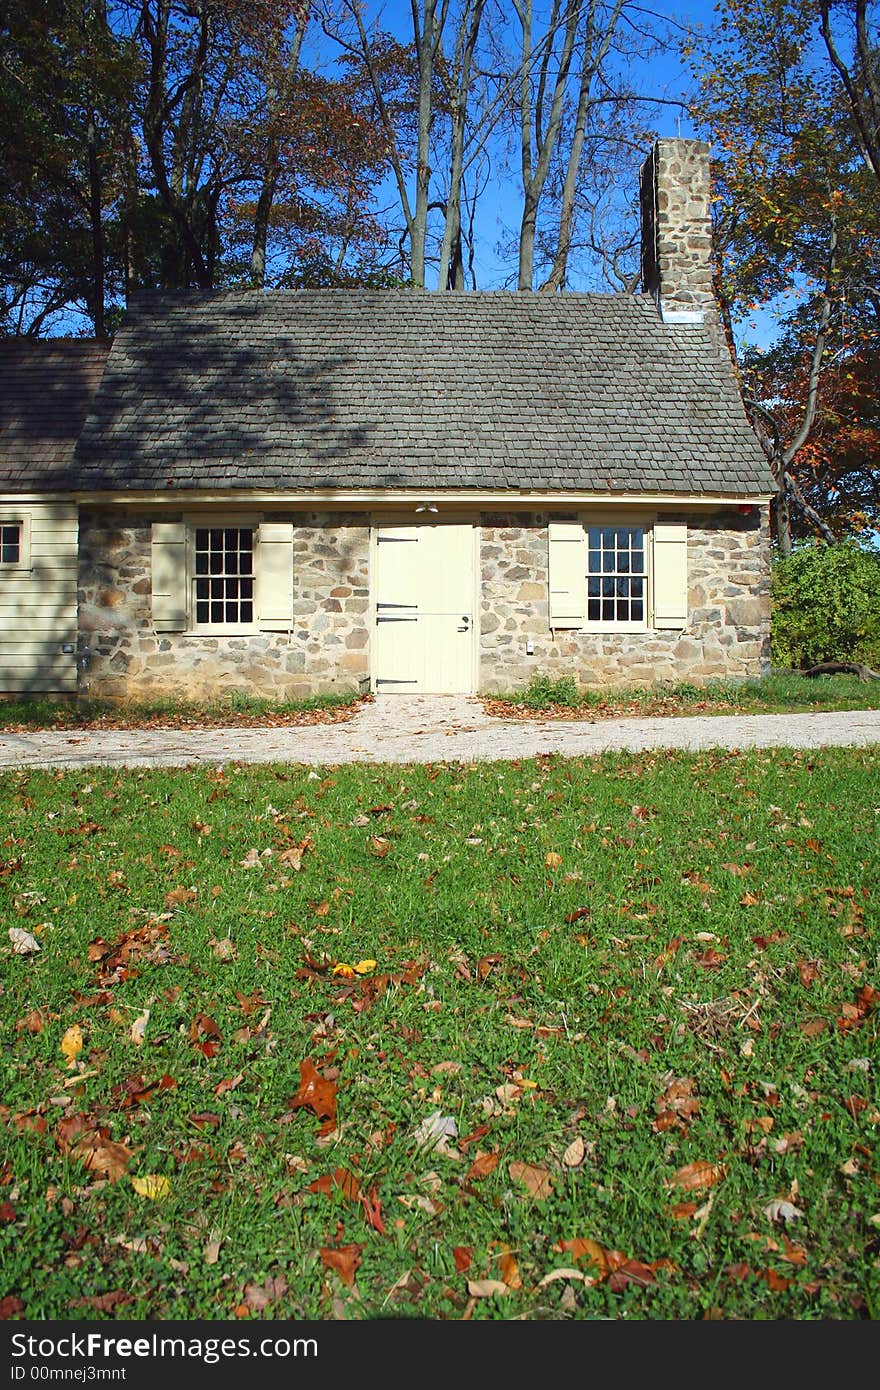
(10, 542)
(232, 576)
(616, 575)
(223, 582)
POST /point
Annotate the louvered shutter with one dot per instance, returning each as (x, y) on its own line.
(670, 574)
(168, 548)
(568, 573)
(275, 576)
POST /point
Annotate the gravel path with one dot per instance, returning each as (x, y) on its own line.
(431, 728)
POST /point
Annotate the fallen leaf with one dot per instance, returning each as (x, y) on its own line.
(462, 1255)
(365, 967)
(23, 943)
(809, 970)
(552, 859)
(575, 1153)
(482, 1166)
(435, 1132)
(509, 1268)
(486, 1288)
(315, 1092)
(99, 1154)
(72, 1044)
(581, 1247)
(575, 1275)
(537, 1181)
(139, 1028)
(256, 1297)
(781, 1210)
(344, 1259)
(224, 949)
(153, 1186)
(211, 1253)
(697, 1175)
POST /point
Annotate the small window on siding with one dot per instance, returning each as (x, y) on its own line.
(616, 574)
(11, 548)
(223, 582)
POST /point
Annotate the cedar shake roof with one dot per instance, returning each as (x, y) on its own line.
(350, 389)
(46, 387)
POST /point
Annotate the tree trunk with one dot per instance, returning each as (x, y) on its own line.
(96, 228)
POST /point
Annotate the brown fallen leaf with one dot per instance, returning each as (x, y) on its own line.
(694, 1176)
(552, 859)
(99, 1154)
(508, 1267)
(343, 1259)
(809, 970)
(582, 1248)
(575, 1153)
(482, 1166)
(72, 1044)
(256, 1297)
(462, 1255)
(537, 1181)
(315, 1092)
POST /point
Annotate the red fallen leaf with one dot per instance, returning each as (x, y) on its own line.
(739, 1271)
(631, 1272)
(476, 1134)
(69, 1129)
(340, 1180)
(379, 846)
(315, 1092)
(485, 965)
(205, 1119)
(33, 1022)
(855, 1104)
(10, 1307)
(30, 1120)
(249, 1003)
(578, 914)
(373, 1211)
(762, 942)
(814, 1026)
(809, 970)
(813, 845)
(710, 959)
(7, 1212)
(777, 1283)
(482, 1166)
(104, 1302)
(681, 1211)
(462, 1255)
(229, 1085)
(204, 1027)
(344, 1259)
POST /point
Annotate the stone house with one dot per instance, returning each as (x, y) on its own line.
(290, 492)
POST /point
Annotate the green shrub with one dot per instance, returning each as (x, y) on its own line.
(544, 689)
(825, 605)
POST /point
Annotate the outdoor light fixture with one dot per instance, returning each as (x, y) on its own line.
(427, 507)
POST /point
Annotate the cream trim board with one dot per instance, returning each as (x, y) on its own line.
(22, 519)
(370, 498)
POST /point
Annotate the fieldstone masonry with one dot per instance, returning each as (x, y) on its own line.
(122, 657)
(676, 227)
(727, 635)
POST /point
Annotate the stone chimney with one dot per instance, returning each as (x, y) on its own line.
(676, 230)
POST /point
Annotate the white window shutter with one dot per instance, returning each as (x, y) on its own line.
(670, 574)
(275, 576)
(568, 573)
(168, 551)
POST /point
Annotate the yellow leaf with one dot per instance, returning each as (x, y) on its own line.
(72, 1044)
(552, 859)
(342, 969)
(153, 1186)
(364, 967)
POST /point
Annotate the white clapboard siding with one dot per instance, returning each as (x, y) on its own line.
(670, 574)
(38, 603)
(568, 573)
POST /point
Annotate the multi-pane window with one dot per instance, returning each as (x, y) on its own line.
(10, 543)
(224, 576)
(616, 575)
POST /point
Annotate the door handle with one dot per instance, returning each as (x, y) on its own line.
(466, 623)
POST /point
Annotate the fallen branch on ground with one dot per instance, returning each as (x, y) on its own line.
(838, 668)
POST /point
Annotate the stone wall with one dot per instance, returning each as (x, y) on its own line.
(676, 226)
(727, 634)
(122, 657)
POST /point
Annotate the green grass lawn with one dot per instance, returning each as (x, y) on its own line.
(779, 693)
(239, 709)
(633, 998)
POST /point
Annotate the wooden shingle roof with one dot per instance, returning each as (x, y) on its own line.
(46, 388)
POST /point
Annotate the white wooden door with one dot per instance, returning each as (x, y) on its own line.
(424, 608)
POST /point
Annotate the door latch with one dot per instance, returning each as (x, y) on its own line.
(466, 622)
